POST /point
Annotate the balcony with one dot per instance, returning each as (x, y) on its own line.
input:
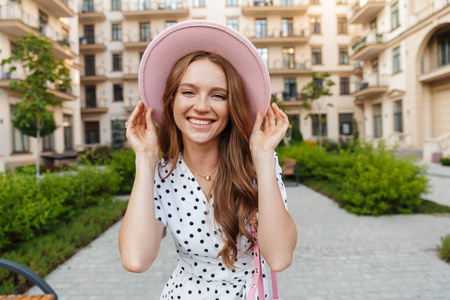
(365, 11)
(92, 45)
(90, 12)
(279, 38)
(262, 8)
(358, 68)
(130, 73)
(136, 42)
(94, 107)
(281, 68)
(16, 22)
(154, 9)
(370, 46)
(69, 95)
(93, 76)
(371, 86)
(59, 8)
(435, 67)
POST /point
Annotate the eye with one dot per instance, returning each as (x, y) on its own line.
(220, 96)
(187, 92)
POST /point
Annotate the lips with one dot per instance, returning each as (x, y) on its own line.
(200, 121)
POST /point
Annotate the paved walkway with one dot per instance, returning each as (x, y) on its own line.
(338, 256)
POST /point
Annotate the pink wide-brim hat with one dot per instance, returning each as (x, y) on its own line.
(200, 35)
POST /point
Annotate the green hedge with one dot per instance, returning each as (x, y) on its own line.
(124, 163)
(445, 161)
(371, 180)
(28, 209)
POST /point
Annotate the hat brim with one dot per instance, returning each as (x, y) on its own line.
(200, 35)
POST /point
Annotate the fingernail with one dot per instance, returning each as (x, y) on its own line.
(151, 110)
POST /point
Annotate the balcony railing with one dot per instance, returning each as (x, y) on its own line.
(153, 5)
(436, 60)
(278, 33)
(368, 39)
(13, 11)
(289, 65)
(93, 71)
(92, 40)
(275, 3)
(366, 7)
(373, 80)
(90, 7)
(136, 38)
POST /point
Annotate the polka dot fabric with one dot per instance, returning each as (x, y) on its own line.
(182, 207)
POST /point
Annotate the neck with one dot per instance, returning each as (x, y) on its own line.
(202, 159)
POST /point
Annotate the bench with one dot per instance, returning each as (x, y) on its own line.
(52, 161)
(290, 168)
(31, 276)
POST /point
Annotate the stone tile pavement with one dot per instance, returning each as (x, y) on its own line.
(338, 256)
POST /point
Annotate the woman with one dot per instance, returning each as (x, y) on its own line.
(204, 185)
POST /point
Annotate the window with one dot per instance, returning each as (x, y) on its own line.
(144, 4)
(89, 34)
(260, 28)
(398, 116)
(288, 58)
(344, 83)
(116, 5)
(89, 65)
(290, 89)
(286, 2)
(88, 6)
(144, 32)
(233, 23)
(118, 92)
(315, 25)
(13, 48)
(170, 23)
(264, 52)
(396, 60)
(199, 3)
(140, 56)
(343, 56)
(314, 2)
(316, 56)
(319, 123)
(377, 121)
(287, 27)
(394, 16)
(117, 62)
(345, 124)
(443, 48)
(92, 132)
(375, 65)
(68, 132)
(342, 25)
(231, 2)
(48, 142)
(118, 131)
(91, 96)
(341, 1)
(116, 32)
(20, 142)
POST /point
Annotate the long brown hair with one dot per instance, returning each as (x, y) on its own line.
(235, 197)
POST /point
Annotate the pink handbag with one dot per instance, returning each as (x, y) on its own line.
(257, 282)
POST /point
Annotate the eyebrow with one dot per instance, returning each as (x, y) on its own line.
(191, 85)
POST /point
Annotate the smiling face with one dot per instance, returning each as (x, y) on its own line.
(200, 105)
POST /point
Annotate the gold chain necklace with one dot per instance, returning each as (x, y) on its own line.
(207, 177)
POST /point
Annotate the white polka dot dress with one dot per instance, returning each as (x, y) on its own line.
(182, 207)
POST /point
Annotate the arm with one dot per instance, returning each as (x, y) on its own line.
(277, 234)
(140, 233)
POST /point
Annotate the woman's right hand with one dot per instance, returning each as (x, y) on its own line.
(141, 131)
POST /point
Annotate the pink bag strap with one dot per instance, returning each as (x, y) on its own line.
(257, 282)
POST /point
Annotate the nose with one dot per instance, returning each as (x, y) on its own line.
(201, 103)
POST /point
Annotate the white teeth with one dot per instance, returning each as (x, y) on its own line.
(199, 122)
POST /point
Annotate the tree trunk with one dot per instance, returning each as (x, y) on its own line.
(38, 151)
(320, 132)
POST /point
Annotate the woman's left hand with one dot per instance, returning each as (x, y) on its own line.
(275, 126)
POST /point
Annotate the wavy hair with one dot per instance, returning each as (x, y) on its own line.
(235, 197)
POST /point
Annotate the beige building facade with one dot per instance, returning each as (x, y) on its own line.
(57, 20)
(389, 61)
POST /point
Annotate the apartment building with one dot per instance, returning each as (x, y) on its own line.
(57, 20)
(401, 81)
(294, 37)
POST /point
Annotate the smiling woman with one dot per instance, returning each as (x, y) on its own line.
(210, 111)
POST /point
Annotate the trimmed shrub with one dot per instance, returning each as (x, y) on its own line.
(445, 161)
(444, 249)
(96, 156)
(124, 163)
(29, 209)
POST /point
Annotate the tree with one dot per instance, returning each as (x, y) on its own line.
(42, 70)
(314, 92)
